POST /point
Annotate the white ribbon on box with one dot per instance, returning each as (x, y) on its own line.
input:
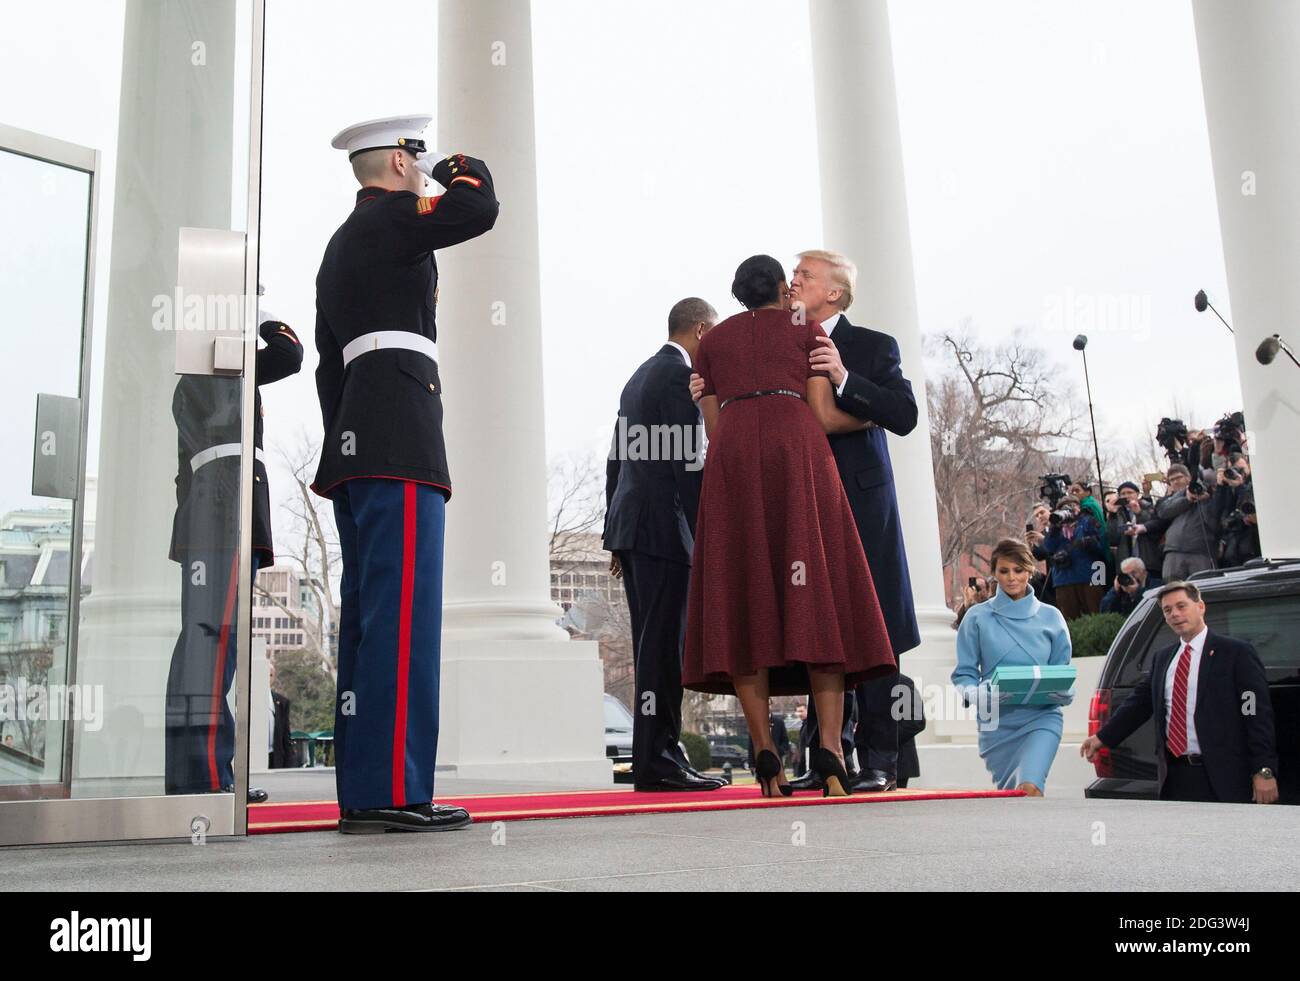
(1038, 676)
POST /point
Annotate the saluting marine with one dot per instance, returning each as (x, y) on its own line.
(200, 730)
(384, 465)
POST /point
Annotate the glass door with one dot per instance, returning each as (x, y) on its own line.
(47, 217)
(126, 490)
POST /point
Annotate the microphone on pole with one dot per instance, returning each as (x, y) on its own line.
(1080, 343)
(1270, 346)
(1202, 301)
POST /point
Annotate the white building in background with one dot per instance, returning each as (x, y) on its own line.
(34, 557)
(285, 610)
(582, 573)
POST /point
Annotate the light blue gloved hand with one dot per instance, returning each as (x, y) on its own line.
(989, 695)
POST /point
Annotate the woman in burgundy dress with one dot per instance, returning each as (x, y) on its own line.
(781, 598)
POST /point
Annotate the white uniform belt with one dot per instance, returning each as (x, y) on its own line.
(217, 452)
(379, 339)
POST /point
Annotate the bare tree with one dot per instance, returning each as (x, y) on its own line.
(313, 549)
(999, 417)
(577, 504)
(577, 511)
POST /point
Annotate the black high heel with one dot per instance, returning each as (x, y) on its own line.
(768, 767)
(835, 780)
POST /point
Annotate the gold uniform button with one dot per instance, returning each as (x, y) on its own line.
(432, 387)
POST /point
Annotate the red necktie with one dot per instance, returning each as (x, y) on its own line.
(1176, 738)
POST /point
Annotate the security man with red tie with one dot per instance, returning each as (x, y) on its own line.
(1213, 717)
(384, 465)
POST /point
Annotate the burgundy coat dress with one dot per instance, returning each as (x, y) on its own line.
(779, 579)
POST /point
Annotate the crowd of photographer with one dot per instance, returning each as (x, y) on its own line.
(1100, 556)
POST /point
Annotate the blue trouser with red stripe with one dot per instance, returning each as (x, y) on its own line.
(200, 729)
(390, 627)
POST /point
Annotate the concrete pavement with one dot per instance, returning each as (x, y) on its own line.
(997, 844)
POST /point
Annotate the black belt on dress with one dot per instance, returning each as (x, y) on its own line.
(1191, 759)
(754, 395)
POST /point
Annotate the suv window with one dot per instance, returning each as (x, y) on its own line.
(1270, 623)
(1134, 645)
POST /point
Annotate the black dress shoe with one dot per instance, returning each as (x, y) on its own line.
(809, 781)
(704, 776)
(256, 795)
(417, 817)
(681, 780)
(875, 781)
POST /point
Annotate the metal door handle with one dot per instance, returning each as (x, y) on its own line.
(57, 452)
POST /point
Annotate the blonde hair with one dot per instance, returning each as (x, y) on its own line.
(844, 273)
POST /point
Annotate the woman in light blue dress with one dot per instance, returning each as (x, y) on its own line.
(1017, 742)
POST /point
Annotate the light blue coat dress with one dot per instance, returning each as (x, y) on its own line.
(1024, 632)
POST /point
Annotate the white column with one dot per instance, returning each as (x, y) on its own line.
(1251, 79)
(260, 721)
(864, 215)
(519, 700)
(174, 159)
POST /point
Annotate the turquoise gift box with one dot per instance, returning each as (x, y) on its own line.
(1031, 684)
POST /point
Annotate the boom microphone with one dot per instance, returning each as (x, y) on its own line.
(1270, 346)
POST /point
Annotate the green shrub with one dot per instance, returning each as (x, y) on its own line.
(697, 750)
(1091, 635)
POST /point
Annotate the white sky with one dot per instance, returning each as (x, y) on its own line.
(1055, 153)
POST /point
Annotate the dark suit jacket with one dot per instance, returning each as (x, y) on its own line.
(652, 492)
(282, 753)
(877, 391)
(1233, 744)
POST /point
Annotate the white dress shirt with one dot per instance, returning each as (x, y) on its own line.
(686, 356)
(270, 723)
(1198, 645)
(828, 326)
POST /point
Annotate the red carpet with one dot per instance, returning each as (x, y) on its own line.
(323, 815)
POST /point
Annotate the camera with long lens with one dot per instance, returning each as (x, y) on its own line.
(1231, 429)
(1124, 579)
(1236, 520)
(1062, 517)
(1171, 434)
(1054, 487)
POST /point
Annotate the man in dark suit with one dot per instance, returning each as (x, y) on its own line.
(280, 751)
(865, 369)
(652, 494)
(1214, 720)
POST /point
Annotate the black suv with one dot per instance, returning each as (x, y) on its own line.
(1258, 603)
